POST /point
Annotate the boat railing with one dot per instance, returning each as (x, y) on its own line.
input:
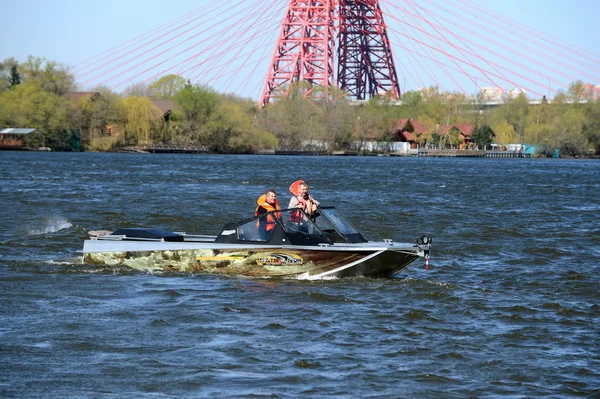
(110, 237)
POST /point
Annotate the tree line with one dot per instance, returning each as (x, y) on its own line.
(35, 94)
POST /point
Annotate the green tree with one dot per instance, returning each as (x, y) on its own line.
(538, 125)
(591, 128)
(166, 87)
(568, 134)
(142, 120)
(27, 105)
(505, 133)
(515, 110)
(371, 122)
(433, 106)
(431, 125)
(232, 130)
(337, 117)
(9, 74)
(576, 92)
(197, 103)
(412, 104)
(294, 119)
(14, 78)
(49, 75)
(98, 118)
(483, 136)
(451, 138)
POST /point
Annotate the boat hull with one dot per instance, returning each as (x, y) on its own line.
(262, 261)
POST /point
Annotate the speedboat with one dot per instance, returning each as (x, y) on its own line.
(284, 243)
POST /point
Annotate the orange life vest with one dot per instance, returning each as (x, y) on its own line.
(269, 220)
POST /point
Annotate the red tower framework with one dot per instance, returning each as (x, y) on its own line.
(305, 51)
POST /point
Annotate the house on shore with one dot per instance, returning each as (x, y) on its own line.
(12, 138)
(410, 131)
(166, 107)
(462, 132)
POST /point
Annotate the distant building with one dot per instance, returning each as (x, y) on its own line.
(463, 130)
(12, 138)
(492, 93)
(596, 93)
(514, 93)
(167, 107)
(587, 91)
(410, 131)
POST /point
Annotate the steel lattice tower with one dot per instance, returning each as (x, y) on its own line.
(305, 51)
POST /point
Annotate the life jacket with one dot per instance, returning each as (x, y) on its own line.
(270, 219)
(307, 203)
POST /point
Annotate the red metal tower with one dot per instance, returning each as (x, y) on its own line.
(305, 51)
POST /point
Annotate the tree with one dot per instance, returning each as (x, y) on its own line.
(142, 119)
(166, 87)
(197, 103)
(139, 89)
(27, 105)
(431, 126)
(480, 115)
(538, 124)
(232, 130)
(451, 138)
(337, 116)
(433, 106)
(576, 92)
(98, 118)
(373, 122)
(14, 78)
(568, 132)
(483, 135)
(412, 104)
(505, 133)
(9, 74)
(49, 75)
(515, 111)
(591, 128)
(294, 119)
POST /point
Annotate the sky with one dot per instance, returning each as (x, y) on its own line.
(72, 31)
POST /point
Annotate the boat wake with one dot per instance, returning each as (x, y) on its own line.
(50, 225)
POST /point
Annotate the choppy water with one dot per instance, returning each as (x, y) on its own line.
(509, 307)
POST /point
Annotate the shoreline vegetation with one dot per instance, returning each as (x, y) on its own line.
(173, 115)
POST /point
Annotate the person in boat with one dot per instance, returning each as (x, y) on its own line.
(266, 203)
(302, 199)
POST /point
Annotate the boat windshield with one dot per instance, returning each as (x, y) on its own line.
(296, 221)
(333, 221)
(328, 226)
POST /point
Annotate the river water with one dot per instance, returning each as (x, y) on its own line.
(509, 306)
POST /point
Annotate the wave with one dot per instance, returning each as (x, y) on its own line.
(50, 225)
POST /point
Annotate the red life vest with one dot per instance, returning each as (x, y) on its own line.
(307, 203)
(269, 220)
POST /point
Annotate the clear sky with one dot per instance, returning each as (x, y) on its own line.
(71, 31)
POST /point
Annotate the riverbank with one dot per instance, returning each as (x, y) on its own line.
(436, 153)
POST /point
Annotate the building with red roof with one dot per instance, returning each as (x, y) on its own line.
(410, 131)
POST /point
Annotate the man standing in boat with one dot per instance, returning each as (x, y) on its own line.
(267, 203)
(302, 200)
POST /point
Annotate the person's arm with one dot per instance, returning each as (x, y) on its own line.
(293, 202)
